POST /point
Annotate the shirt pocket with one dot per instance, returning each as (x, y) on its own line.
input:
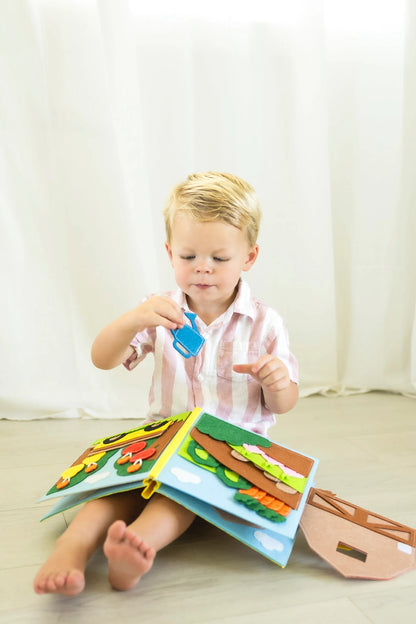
(236, 352)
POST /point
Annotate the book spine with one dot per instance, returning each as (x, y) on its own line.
(151, 484)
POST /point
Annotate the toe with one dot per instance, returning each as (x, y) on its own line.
(149, 553)
(117, 530)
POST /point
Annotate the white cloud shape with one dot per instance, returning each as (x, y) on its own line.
(184, 476)
(269, 543)
(99, 476)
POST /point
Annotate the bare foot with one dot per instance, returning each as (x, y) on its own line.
(128, 556)
(62, 573)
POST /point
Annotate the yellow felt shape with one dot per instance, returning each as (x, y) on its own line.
(93, 459)
(70, 472)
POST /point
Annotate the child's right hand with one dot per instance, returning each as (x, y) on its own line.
(160, 310)
(112, 345)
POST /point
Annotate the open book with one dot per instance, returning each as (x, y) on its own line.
(240, 481)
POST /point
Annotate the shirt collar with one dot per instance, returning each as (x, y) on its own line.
(243, 303)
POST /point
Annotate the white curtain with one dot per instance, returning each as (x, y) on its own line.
(104, 105)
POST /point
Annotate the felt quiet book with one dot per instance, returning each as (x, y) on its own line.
(243, 483)
(253, 489)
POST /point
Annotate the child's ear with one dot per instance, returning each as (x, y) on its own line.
(251, 257)
(169, 250)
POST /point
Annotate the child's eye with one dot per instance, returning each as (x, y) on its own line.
(187, 257)
(220, 259)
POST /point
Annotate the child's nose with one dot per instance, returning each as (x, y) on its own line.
(204, 266)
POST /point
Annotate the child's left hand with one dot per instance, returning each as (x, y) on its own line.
(269, 371)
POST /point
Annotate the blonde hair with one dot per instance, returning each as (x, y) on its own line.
(212, 196)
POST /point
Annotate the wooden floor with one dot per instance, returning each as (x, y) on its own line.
(366, 445)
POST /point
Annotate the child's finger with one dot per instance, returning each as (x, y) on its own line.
(253, 368)
(170, 311)
(264, 359)
(245, 369)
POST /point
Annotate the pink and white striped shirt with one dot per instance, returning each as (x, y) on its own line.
(245, 331)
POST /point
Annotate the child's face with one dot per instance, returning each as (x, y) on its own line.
(207, 259)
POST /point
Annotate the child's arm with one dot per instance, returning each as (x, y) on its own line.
(112, 345)
(279, 392)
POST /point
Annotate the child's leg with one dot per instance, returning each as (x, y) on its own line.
(131, 550)
(63, 571)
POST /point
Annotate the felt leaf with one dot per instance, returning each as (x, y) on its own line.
(226, 432)
(231, 478)
(274, 462)
(275, 470)
(200, 455)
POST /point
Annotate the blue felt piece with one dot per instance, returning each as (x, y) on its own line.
(187, 340)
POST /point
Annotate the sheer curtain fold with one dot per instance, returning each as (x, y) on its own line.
(104, 105)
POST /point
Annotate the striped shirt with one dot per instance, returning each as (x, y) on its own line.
(245, 331)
